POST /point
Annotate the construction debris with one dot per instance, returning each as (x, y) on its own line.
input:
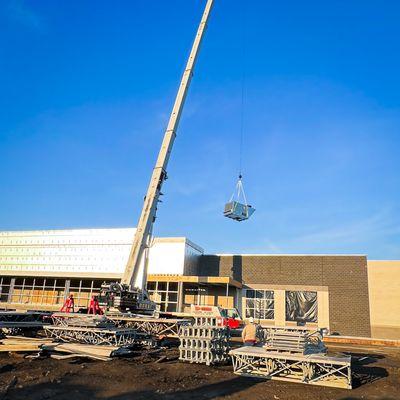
(97, 352)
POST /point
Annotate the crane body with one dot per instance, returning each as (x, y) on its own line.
(130, 294)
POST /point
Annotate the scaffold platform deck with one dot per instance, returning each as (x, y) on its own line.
(313, 369)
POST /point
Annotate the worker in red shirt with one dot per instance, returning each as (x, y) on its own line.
(249, 333)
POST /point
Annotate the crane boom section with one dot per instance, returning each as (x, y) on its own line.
(135, 273)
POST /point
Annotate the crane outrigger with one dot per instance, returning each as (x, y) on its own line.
(130, 294)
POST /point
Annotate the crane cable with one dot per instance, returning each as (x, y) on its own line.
(243, 83)
(239, 186)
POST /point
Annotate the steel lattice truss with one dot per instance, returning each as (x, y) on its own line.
(21, 317)
(14, 323)
(151, 326)
(100, 336)
(313, 369)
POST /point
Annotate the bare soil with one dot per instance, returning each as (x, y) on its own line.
(377, 376)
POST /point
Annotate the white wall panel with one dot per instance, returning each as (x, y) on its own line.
(94, 251)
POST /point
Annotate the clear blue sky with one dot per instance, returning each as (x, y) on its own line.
(86, 89)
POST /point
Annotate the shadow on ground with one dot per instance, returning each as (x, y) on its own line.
(76, 392)
(362, 398)
(362, 371)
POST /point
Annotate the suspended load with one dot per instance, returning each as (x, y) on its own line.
(237, 207)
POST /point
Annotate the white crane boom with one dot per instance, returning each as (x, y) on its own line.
(135, 275)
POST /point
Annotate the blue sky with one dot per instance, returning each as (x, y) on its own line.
(87, 87)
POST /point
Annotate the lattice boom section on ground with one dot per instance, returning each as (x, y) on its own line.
(312, 369)
(91, 335)
(151, 326)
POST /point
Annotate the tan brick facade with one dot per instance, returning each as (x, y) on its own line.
(345, 276)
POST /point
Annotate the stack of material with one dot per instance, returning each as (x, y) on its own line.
(204, 344)
(73, 350)
(207, 321)
(93, 335)
(15, 323)
(22, 344)
(295, 341)
(93, 330)
(44, 346)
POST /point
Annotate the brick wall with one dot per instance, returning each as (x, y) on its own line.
(345, 276)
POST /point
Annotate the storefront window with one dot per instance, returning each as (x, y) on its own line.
(259, 304)
(48, 291)
(165, 294)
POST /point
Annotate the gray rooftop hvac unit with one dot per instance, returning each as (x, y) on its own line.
(238, 211)
(235, 209)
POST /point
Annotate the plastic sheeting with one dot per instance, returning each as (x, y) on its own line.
(301, 306)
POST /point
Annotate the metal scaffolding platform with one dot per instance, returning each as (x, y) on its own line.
(311, 369)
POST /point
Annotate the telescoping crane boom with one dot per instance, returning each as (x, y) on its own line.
(130, 294)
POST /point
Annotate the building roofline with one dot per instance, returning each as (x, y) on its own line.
(60, 231)
(287, 255)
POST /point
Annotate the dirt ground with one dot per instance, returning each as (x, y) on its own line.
(377, 376)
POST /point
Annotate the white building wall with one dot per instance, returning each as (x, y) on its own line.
(167, 258)
(84, 252)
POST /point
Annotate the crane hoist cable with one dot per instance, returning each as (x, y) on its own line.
(243, 85)
(237, 208)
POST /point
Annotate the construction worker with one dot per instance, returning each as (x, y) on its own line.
(249, 333)
(69, 305)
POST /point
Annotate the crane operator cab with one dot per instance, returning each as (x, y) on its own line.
(236, 209)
